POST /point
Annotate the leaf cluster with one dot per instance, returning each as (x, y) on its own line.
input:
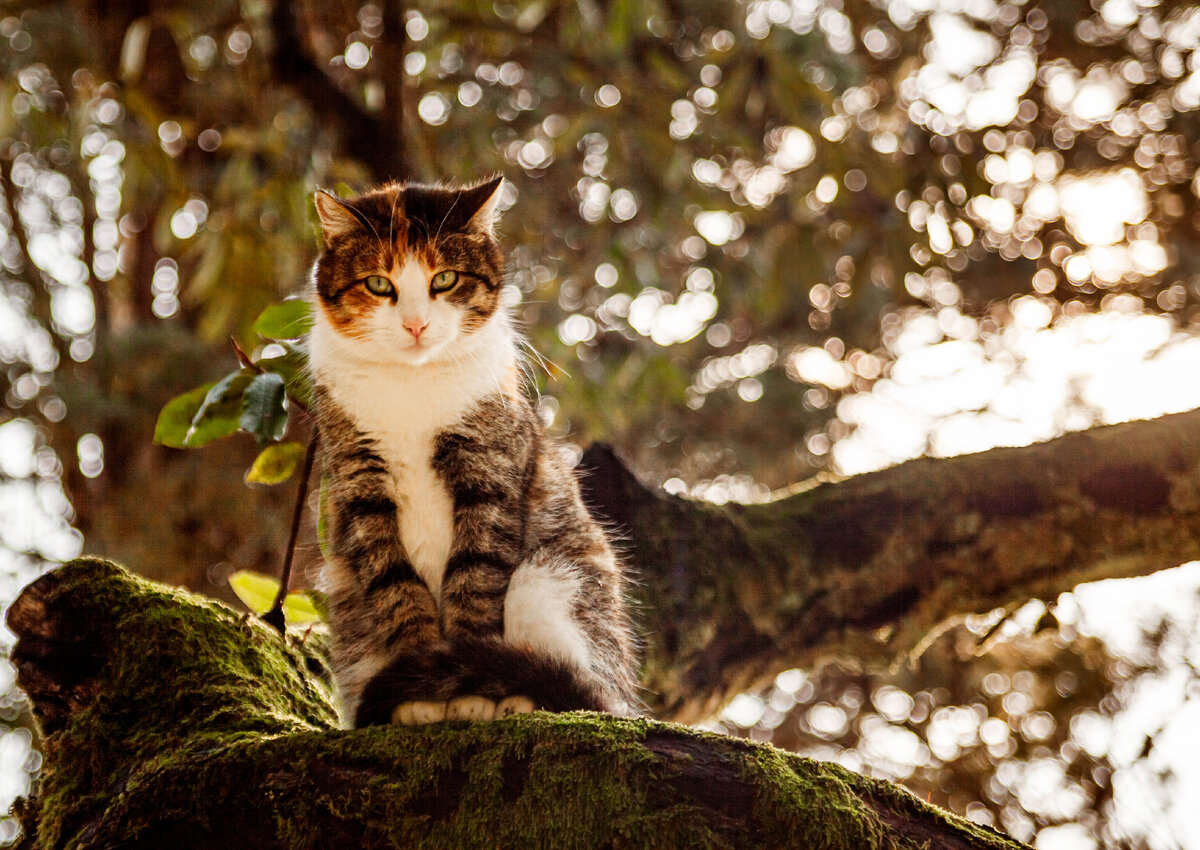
(255, 399)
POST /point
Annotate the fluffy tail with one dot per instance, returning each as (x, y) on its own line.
(486, 668)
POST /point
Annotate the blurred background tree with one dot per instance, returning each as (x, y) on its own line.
(765, 239)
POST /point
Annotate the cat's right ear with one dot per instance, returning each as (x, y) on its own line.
(337, 218)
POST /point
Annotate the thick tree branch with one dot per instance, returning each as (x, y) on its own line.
(865, 568)
(173, 722)
(376, 140)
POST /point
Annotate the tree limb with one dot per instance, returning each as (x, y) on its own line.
(374, 140)
(172, 721)
(867, 567)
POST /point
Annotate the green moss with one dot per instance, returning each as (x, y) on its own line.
(183, 674)
(209, 729)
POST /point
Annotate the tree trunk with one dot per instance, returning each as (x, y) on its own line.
(172, 721)
(868, 567)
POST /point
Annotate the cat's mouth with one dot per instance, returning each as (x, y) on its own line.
(421, 351)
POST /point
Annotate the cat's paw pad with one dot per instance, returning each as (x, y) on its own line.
(470, 708)
(418, 713)
(514, 705)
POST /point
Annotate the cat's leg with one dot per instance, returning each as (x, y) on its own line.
(408, 671)
(374, 622)
(379, 606)
(485, 468)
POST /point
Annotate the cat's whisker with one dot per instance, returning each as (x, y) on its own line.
(542, 360)
(361, 216)
(442, 223)
(504, 398)
(392, 216)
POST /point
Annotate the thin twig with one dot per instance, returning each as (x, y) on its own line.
(274, 617)
(244, 358)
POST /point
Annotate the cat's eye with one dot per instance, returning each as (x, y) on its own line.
(379, 285)
(443, 281)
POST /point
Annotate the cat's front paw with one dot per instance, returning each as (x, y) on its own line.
(470, 708)
(418, 713)
(423, 712)
(514, 705)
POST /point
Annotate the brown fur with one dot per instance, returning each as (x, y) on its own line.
(431, 223)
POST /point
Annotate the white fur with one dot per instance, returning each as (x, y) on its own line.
(537, 611)
(401, 393)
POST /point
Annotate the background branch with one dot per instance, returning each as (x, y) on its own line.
(866, 568)
(374, 139)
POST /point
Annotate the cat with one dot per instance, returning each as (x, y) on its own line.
(466, 579)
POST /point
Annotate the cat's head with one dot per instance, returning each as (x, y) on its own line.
(410, 273)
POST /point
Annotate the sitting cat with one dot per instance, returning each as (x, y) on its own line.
(466, 577)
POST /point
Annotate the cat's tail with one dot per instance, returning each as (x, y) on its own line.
(479, 667)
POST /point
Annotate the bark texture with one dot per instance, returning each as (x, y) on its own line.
(867, 567)
(172, 721)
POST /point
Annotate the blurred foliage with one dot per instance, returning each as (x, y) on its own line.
(704, 192)
(723, 215)
(1019, 721)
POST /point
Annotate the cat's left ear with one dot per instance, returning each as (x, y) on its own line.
(484, 199)
(337, 218)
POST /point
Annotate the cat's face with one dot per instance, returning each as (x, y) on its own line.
(410, 273)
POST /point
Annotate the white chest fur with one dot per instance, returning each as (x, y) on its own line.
(403, 407)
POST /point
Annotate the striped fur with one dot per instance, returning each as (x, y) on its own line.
(463, 562)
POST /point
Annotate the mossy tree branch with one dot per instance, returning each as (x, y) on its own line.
(170, 718)
(172, 721)
(867, 567)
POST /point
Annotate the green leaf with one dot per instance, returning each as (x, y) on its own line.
(264, 412)
(299, 609)
(293, 366)
(258, 592)
(290, 319)
(275, 464)
(176, 416)
(219, 413)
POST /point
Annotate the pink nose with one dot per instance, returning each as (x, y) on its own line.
(415, 327)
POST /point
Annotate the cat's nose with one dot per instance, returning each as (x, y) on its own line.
(415, 326)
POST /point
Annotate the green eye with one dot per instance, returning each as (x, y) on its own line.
(443, 281)
(379, 285)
